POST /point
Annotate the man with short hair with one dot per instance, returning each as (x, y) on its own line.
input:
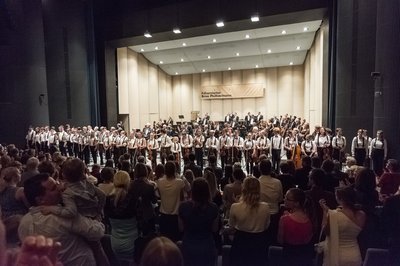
(42, 190)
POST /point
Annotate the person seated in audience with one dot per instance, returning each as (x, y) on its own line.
(199, 219)
(249, 219)
(285, 177)
(80, 196)
(50, 168)
(391, 227)
(301, 175)
(296, 229)
(31, 169)
(120, 209)
(233, 190)
(389, 182)
(159, 172)
(161, 252)
(107, 185)
(42, 190)
(170, 189)
(315, 194)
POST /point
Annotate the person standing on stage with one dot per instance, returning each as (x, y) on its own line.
(249, 146)
(187, 145)
(52, 141)
(212, 145)
(198, 141)
(323, 143)
(276, 149)
(165, 145)
(62, 140)
(263, 144)
(132, 146)
(378, 152)
(359, 148)
(338, 146)
(141, 145)
(93, 145)
(308, 147)
(152, 148)
(30, 138)
(223, 153)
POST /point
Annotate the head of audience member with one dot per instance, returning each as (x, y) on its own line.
(141, 159)
(295, 199)
(189, 176)
(192, 157)
(346, 197)
(161, 252)
(228, 171)
(95, 169)
(74, 170)
(315, 162)
(121, 182)
(350, 161)
(238, 175)
(5, 160)
(317, 178)
(107, 175)
(200, 191)
(292, 166)
(328, 166)
(140, 171)
(47, 167)
(251, 192)
(170, 170)
(159, 171)
(32, 164)
(10, 176)
(171, 157)
(284, 166)
(365, 181)
(262, 157)
(109, 163)
(265, 167)
(212, 181)
(393, 166)
(126, 166)
(212, 160)
(42, 190)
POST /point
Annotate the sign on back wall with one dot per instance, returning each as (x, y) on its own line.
(253, 90)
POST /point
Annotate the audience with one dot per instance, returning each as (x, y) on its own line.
(161, 251)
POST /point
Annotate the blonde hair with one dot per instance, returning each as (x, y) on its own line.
(251, 192)
(212, 182)
(121, 185)
(9, 176)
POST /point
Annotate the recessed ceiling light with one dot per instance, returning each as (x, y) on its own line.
(291, 63)
(269, 51)
(156, 47)
(220, 23)
(184, 44)
(305, 29)
(142, 50)
(214, 40)
(237, 54)
(147, 34)
(256, 66)
(182, 60)
(283, 32)
(176, 30)
(161, 62)
(208, 56)
(229, 68)
(255, 18)
(298, 48)
(204, 70)
(247, 36)
(176, 73)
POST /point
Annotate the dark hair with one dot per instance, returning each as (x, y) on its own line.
(33, 187)
(238, 174)
(212, 159)
(365, 181)
(192, 157)
(348, 196)
(140, 171)
(107, 174)
(317, 177)
(141, 159)
(126, 166)
(284, 166)
(170, 157)
(228, 171)
(315, 162)
(200, 191)
(393, 165)
(109, 163)
(170, 169)
(306, 161)
(328, 166)
(159, 171)
(74, 170)
(265, 167)
(46, 167)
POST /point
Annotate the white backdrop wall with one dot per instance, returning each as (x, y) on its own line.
(146, 93)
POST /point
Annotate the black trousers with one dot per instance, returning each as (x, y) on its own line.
(276, 159)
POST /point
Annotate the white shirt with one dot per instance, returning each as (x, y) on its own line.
(271, 192)
(243, 218)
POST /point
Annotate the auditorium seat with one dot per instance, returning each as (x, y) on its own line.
(274, 255)
(376, 256)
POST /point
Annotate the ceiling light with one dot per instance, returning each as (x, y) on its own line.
(147, 34)
(291, 63)
(255, 18)
(176, 73)
(305, 29)
(156, 47)
(214, 40)
(142, 50)
(298, 48)
(269, 51)
(237, 54)
(176, 30)
(161, 62)
(182, 60)
(208, 56)
(256, 66)
(283, 32)
(247, 36)
(184, 44)
(229, 68)
(204, 70)
(220, 23)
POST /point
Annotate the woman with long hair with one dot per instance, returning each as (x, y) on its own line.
(249, 218)
(199, 220)
(342, 227)
(121, 212)
(296, 229)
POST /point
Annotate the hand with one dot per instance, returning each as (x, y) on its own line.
(322, 203)
(38, 251)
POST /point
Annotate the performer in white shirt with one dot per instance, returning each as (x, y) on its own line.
(323, 144)
(308, 147)
(176, 150)
(165, 145)
(237, 147)
(249, 146)
(378, 152)
(198, 141)
(338, 146)
(276, 149)
(359, 148)
(152, 148)
(187, 145)
(212, 144)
